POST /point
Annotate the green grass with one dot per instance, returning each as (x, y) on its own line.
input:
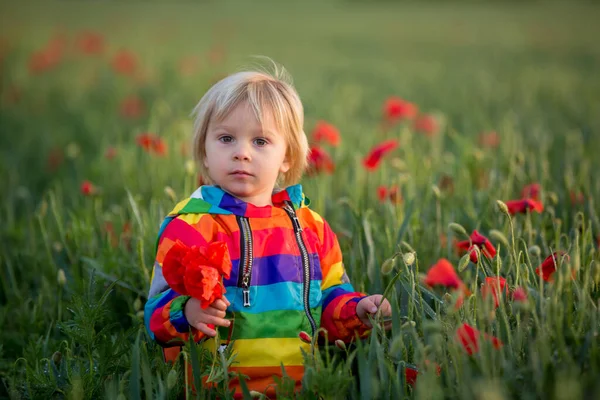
(527, 71)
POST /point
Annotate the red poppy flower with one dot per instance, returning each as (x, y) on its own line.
(325, 132)
(319, 161)
(198, 271)
(442, 273)
(490, 140)
(159, 146)
(373, 159)
(531, 191)
(426, 124)
(110, 153)
(55, 159)
(519, 295)
(483, 244)
(576, 197)
(469, 338)
(90, 43)
(131, 107)
(411, 375)
(87, 188)
(521, 206)
(392, 194)
(549, 265)
(396, 109)
(110, 232)
(494, 285)
(124, 62)
(145, 141)
(174, 269)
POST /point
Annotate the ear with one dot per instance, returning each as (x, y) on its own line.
(205, 162)
(285, 165)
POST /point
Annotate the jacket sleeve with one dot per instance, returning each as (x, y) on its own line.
(164, 311)
(339, 297)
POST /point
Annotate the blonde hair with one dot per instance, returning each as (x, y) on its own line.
(264, 92)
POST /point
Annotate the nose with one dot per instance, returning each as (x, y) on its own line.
(242, 153)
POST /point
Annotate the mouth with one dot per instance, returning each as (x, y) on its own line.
(239, 172)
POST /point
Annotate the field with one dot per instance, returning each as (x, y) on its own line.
(95, 102)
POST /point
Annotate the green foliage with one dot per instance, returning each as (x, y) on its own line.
(75, 269)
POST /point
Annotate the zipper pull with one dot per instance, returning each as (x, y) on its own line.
(294, 217)
(246, 296)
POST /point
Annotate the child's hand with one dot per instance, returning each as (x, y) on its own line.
(370, 305)
(214, 314)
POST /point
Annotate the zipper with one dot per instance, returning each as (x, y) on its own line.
(289, 209)
(246, 259)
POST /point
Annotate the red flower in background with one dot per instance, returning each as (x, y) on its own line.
(188, 66)
(531, 191)
(523, 205)
(55, 159)
(396, 109)
(373, 159)
(197, 271)
(494, 285)
(151, 143)
(549, 265)
(392, 194)
(519, 295)
(131, 107)
(426, 124)
(124, 62)
(489, 140)
(325, 132)
(442, 273)
(576, 197)
(90, 43)
(110, 153)
(469, 338)
(319, 161)
(87, 188)
(481, 242)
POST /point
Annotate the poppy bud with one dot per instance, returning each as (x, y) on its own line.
(458, 229)
(436, 192)
(502, 207)
(57, 246)
(57, 357)
(408, 324)
(172, 379)
(256, 395)
(170, 192)
(305, 337)
(73, 150)
(534, 250)
(190, 167)
(499, 237)
(137, 304)
(140, 314)
(409, 258)
(553, 198)
(463, 262)
(388, 266)
(61, 278)
(42, 209)
(340, 344)
(407, 246)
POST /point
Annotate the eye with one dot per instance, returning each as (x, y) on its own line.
(226, 139)
(260, 142)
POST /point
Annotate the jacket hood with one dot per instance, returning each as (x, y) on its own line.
(214, 200)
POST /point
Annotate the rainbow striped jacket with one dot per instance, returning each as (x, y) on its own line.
(287, 277)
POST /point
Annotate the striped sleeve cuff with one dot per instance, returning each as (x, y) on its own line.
(177, 316)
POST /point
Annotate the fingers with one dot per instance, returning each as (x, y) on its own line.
(221, 304)
(206, 330)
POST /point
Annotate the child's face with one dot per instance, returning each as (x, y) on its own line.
(244, 157)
